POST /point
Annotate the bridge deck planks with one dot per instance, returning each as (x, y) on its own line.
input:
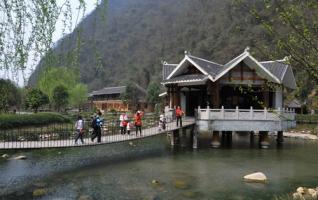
(108, 139)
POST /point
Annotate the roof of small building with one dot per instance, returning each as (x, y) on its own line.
(277, 71)
(109, 90)
(294, 104)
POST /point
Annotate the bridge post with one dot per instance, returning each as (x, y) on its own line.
(264, 140)
(183, 137)
(174, 139)
(229, 138)
(216, 139)
(194, 134)
(223, 138)
(280, 137)
(252, 138)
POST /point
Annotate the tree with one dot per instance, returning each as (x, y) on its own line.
(60, 97)
(153, 91)
(35, 98)
(131, 94)
(292, 27)
(10, 95)
(78, 95)
(53, 77)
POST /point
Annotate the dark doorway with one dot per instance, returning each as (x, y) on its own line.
(194, 99)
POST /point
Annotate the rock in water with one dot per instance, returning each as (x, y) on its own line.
(84, 197)
(20, 158)
(39, 192)
(256, 177)
(5, 156)
(180, 184)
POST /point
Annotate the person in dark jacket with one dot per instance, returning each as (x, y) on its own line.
(97, 124)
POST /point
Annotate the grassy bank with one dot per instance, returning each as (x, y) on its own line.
(8, 121)
(307, 119)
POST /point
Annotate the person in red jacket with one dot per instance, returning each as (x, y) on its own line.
(179, 113)
(138, 122)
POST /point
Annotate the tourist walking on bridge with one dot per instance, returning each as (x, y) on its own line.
(179, 114)
(97, 124)
(123, 123)
(138, 122)
(79, 126)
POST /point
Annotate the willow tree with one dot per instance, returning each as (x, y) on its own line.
(27, 28)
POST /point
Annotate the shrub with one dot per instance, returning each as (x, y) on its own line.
(307, 118)
(8, 121)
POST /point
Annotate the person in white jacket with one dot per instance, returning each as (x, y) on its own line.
(79, 127)
(123, 123)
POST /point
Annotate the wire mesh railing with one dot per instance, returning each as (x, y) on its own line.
(64, 135)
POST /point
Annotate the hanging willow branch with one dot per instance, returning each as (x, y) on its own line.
(27, 27)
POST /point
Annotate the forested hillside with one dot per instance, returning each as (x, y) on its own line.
(128, 39)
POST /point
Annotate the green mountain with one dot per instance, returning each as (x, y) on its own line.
(127, 39)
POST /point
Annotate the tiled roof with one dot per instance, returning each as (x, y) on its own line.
(282, 71)
(277, 68)
(167, 69)
(186, 78)
(109, 90)
(211, 68)
(279, 71)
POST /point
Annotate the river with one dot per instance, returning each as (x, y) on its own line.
(151, 169)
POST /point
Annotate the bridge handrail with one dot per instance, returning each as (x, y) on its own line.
(63, 135)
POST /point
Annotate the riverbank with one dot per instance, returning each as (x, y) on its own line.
(300, 135)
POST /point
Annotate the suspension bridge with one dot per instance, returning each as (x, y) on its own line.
(64, 138)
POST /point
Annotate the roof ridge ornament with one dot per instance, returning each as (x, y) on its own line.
(164, 62)
(187, 52)
(247, 49)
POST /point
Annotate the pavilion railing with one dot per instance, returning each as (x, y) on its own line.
(245, 114)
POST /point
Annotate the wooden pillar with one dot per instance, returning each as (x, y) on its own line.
(169, 96)
(215, 139)
(266, 96)
(280, 137)
(264, 140)
(215, 95)
(173, 93)
(177, 94)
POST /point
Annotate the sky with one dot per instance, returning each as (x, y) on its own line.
(90, 6)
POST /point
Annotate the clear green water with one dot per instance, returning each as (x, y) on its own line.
(122, 171)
